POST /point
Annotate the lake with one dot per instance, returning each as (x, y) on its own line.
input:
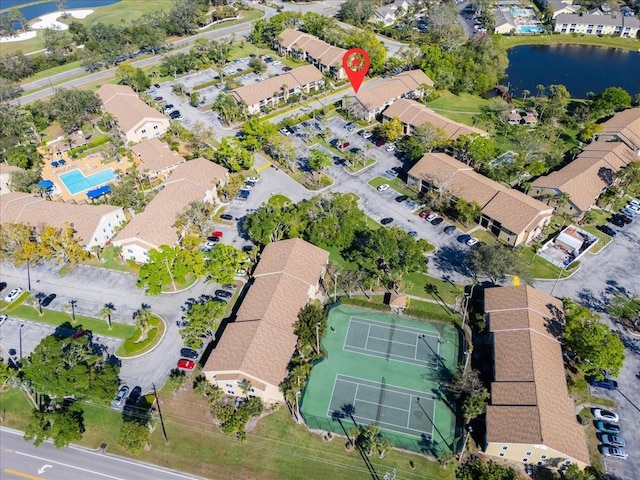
(580, 68)
(34, 11)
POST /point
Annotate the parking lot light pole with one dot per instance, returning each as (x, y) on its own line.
(335, 286)
(318, 337)
(21, 325)
(297, 407)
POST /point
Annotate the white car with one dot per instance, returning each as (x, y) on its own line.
(383, 187)
(247, 186)
(472, 241)
(615, 452)
(277, 63)
(607, 415)
(3, 318)
(13, 294)
(253, 179)
(390, 148)
(628, 212)
(366, 134)
(634, 207)
(285, 132)
(431, 216)
(635, 202)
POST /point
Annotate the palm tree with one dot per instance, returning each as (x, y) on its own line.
(245, 386)
(106, 311)
(142, 317)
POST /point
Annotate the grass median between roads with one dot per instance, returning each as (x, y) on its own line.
(53, 317)
(138, 344)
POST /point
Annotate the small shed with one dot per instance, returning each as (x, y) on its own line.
(397, 301)
(568, 242)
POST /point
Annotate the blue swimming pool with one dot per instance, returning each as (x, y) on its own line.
(529, 29)
(76, 182)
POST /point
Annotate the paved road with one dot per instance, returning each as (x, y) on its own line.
(20, 460)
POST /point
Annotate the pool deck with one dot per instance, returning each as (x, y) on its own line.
(88, 165)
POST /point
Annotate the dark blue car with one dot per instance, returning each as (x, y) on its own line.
(604, 383)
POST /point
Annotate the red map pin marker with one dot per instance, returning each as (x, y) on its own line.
(356, 64)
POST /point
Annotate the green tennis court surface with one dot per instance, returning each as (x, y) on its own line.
(384, 368)
(396, 408)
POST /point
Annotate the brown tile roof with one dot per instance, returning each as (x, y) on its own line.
(187, 183)
(327, 54)
(590, 173)
(261, 340)
(523, 356)
(254, 93)
(404, 83)
(415, 114)
(295, 257)
(125, 105)
(33, 210)
(155, 155)
(4, 168)
(513, 209)
(624, 125)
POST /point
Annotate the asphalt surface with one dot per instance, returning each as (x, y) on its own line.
(20, 459)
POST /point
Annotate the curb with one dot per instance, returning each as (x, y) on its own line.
(183, 290)
(150, 350)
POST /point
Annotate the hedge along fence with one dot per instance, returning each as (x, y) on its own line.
(417, 312)
(75, 151)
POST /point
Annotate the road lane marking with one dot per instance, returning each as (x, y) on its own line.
(66, 465)
(21, 474)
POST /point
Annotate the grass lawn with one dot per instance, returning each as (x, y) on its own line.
(605, 41)
(446, 291)
(134, 346)
(111, 260)
(52, 71)
(279, 200)
(276, 449)
(53, 317)
(125, 11)
(395, 183)
(603, 237)
(460, 108)
(245, 16)
(360, 166)
(540, 268)
(18, 301)
(434, 311)
(592, 441)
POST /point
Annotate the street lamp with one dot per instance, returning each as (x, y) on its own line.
(21, 325)
(335, 286)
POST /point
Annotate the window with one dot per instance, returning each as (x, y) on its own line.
(539, 463)
(543, 457)
(230, 392)
(528, 454)
(525, 460)
(252, 390)
(567, 462)
(228, 385)
(505, 447)
(129, 250)
(502, 454)
(144, 130)
(155, 127)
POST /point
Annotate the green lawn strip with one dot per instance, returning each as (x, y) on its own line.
(433, 311)
(245, 16)
(53, 317)
(52, 71)
(353, 169)
(595, 456)
(133, 346)
(446, 291)
(395, 183)
(460, 108)
(486, 237)
(604, 41)
(603, 237)
(15, 409)
(279, 200)
(18, 301)
(110, 260)
(124, 11)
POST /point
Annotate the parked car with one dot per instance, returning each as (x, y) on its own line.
(189, 353)
(3, 318)
(3, 285)
(607, 230)
(472, 241)
(175, 114)
(230, 286)
(449, 229)
(629, 213)
(607, 427)
(213, 240)
(46, 301)
(121, 395)
(157, 85)
(186, 364)
(617, 222)
(622, 217)
(241, 272)
(168, 107)
(226, 216)
(437, 221)
(285, 132)
(613, 440)
(607, 383)
(401, 198)
(247, 248)
(224, 294)
(380, 143)
(463, 238)
(391, 173)
(386, 221)
(431, 216)
(390, 148)
(424, 214)
(350, 127)
(157, 99)
(366, 134)
(383, 187)
(616, 452)
(607, 415)
(13, 294)
(253, 179)
(413, 233)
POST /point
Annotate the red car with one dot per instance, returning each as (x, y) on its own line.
(157, 99)
(344, 145)
(184, 364)
(380, 143)
(217, 234)
(424, 213)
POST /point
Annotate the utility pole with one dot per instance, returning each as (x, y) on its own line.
(318, 337)
(164, 431)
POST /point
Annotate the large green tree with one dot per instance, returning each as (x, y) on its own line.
(625, 307)
(597, 348)
(311, 325)
(168, 266)
(72, 107)
(201, 319)
(496, 262)
(61, 423)
(65, 366)
(222, 262)
(233, 155)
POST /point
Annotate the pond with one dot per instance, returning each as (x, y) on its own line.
(34, 11)
(580, 68)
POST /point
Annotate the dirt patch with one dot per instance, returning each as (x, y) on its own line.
(192, 410)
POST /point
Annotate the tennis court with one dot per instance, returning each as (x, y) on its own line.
(383, 368)
(396, 408)
(388, 340)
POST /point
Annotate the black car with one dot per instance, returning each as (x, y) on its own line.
(168, 106)
(213, 239)
(437, 221)
(386, 221)
(157, 85)
(617, 222)
(175, 114)
(3, 285)
(247, 248)
(226, 216)
(604, 383)
(623, 217)
(607, 230)
(401, 198)
(223, 294)
(46, 301)
(188, 353)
